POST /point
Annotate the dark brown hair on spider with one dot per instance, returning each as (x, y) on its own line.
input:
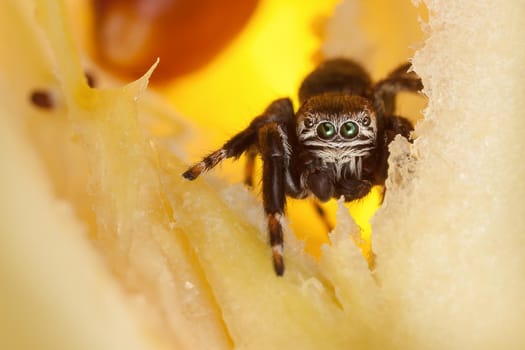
(336, 144)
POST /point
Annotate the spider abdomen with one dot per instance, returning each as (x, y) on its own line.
(336, 75)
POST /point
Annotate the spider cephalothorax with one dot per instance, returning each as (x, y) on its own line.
(336, 145)
(337, 133)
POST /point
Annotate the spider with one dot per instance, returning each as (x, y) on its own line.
(336, 144)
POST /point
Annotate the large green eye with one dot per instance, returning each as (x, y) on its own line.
(326, 130)
(349, 130)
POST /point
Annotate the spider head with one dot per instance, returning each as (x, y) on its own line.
(338, 123)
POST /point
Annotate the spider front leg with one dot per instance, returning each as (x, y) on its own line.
(272, 149)
(266, 134)
(234, 148)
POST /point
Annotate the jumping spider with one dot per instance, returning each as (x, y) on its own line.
(335, 145)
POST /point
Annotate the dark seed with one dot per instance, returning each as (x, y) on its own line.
(90, 80)
(42, 99)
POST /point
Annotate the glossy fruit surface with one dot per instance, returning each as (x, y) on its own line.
(129, 35)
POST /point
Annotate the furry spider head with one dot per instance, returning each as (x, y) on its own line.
(338, 122)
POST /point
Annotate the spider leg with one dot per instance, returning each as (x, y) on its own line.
(232, 148)
(400, 79)
(394, 125)
(267, 135)
(272, 148)
(397, 125)
(322, 215)
(280, 110)
(249, 167)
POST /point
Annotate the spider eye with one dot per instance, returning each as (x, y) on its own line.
(326, 130)
(349, 130)
(308, 123)
(366, 121)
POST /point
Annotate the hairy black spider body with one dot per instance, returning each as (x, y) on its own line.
(336, 144)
